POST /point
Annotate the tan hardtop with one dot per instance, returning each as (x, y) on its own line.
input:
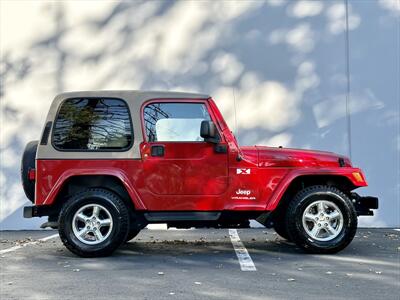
(134, 99)
(131, 95)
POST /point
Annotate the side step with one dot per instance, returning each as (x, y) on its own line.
(181, 216)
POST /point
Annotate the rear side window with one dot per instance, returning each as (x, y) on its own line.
(174, 122)
(93, 125)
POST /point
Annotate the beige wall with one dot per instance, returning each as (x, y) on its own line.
(285, 62)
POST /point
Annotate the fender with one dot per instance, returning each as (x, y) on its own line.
(357, 180)
(138, 203)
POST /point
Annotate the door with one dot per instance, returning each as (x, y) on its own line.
(180, 168)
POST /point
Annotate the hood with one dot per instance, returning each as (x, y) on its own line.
(286, 157)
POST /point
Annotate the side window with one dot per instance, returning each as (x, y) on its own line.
(174, 122)
(93, 125)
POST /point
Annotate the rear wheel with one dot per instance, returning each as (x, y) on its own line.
(93, 223)
(132, 234)
(321, 219)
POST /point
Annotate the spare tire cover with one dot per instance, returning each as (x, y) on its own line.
(27, 163)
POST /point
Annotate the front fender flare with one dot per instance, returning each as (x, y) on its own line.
(347, 173)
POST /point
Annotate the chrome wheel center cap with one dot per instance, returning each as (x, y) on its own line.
(92, 224)
(323, 220)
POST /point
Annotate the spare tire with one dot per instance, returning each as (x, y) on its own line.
(27, 163)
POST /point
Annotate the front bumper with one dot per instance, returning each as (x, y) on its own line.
(364, 205)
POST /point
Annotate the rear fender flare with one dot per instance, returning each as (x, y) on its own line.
(119, 174)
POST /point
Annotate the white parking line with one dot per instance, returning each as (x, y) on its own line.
(246, 263)
(10, 249)
(48, 238)
(26, 244)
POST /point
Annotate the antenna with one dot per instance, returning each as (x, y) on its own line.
(234, 107)
(239, 156)
(348, 106)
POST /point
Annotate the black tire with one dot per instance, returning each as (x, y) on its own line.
(281, 229)
(119, 214)
(27, 163)
(302, 200)
(132, 234)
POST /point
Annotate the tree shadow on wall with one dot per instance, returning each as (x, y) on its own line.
(284, 61)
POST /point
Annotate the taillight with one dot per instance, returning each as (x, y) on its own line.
(32, 174)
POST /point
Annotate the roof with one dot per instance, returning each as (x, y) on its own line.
(133, 94)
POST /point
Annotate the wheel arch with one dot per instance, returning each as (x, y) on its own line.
(281, 199)
(76, 183)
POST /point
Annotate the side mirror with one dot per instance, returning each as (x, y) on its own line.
(209, 132)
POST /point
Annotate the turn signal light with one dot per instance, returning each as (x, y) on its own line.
(358, 177)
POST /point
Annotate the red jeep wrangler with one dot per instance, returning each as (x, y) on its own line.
(110, 162)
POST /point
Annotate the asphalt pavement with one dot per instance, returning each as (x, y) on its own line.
(200, 264)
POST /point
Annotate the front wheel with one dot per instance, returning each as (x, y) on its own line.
(281, 229)
(93, 223)
(321, 219)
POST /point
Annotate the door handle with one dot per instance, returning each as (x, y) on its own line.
(157, 150)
